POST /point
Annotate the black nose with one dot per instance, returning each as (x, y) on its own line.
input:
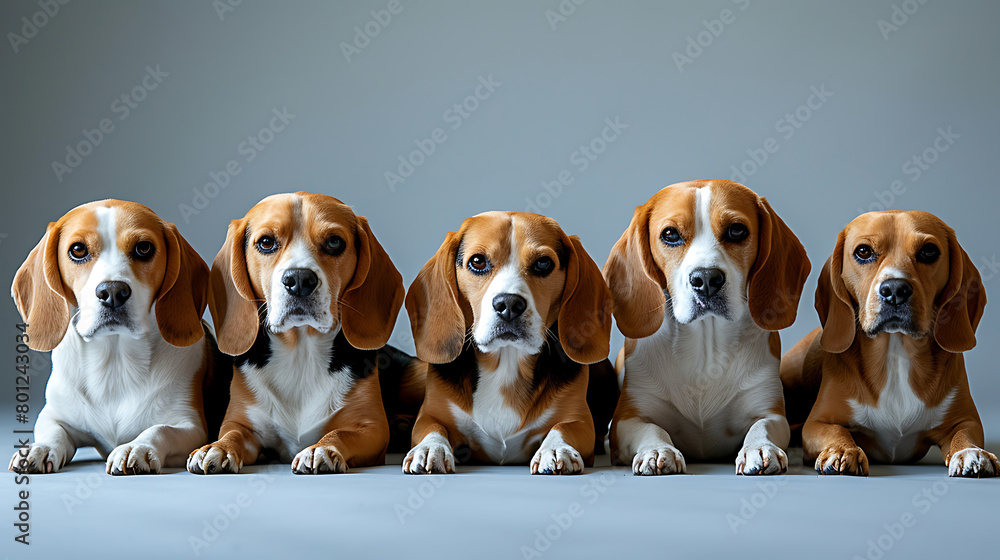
(895, 292)
(509, 306)
(707, 281)
(113, 294)
(300, 282)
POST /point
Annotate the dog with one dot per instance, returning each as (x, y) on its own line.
(508, 314)
(133, 365)
(303, 295)
(899, 302)
(702, 279)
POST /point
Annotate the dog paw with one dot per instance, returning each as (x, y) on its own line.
(39, 459)
(765, 458)
(319, 459)
(973, 462)
(659, 460)
(842, 460)
(561, 459)
(133, 458)
(214, 459)
(433, 455)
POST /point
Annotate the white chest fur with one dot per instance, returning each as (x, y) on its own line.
(108, 390)
(705, 383)
(495, 427)
(296, 394)
(900, 415)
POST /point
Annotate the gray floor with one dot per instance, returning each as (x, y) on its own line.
(502, 512)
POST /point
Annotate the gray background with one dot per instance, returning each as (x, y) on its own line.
(353, 119)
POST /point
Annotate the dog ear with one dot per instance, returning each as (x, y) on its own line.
(434, 306)
(779, 273)
(230, 295)
(372, 300)
(962, 302)
(42, 299)
(834, 303)
(585, 314)
(637, 283)
(181, 300)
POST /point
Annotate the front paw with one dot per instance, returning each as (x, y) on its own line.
(562, 459)
(133, 458)
(216, 458)
(431, 456)
(973, 462)
(765, 458)
(319, 459)
(842, 460)
(39, 459)
(665, 459)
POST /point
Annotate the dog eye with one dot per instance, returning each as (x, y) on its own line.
(334, 245)
(143, 250)
(542, 266)
(266, 244)
(78, 252)
(671, 236)
(864, 254)
(737, 233)
(929, 254)
(479, 264)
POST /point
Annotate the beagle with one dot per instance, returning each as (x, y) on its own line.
(702, 278)
(130, 376)
(508, 313)
(302, 294)
(899, 302)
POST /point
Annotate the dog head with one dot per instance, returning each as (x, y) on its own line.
(314, 263)
(714, 248)
(112, 260)
(505, 278)
(899, 272)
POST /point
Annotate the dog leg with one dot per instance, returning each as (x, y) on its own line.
(653, 450)
(239, 445)
(964, 454)
(53, 448)
(156, 447)
(763, 448)
(559, 453)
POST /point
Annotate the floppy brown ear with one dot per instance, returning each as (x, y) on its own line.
(962, 302)
(42, 299)
(434, 306)
(230, 294)
(779, 273)
(180, 303)
(372, 300)
(636, 282)
(585, 314)
(834, 304)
